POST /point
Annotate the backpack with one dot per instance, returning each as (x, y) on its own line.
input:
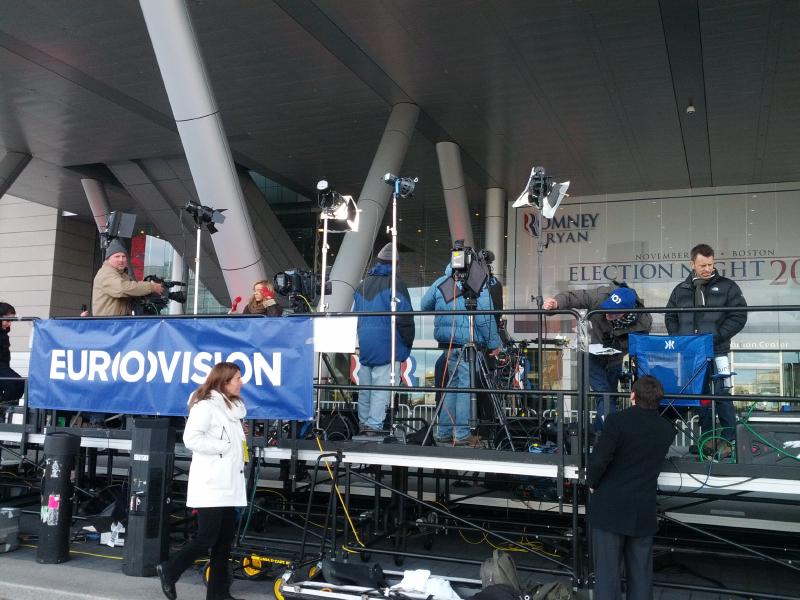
(553, 590)
(499, 569)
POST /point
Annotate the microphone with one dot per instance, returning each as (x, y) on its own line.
(234, 304)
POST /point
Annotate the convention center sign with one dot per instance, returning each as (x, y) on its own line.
(151, 366)
(644, 240)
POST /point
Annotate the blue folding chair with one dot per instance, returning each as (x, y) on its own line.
(679, 362)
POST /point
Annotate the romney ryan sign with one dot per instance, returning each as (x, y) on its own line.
(150, 366)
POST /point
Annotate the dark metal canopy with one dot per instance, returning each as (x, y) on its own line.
(597, 91)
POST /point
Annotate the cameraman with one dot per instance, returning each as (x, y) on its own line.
(452, 332)
(113, 287)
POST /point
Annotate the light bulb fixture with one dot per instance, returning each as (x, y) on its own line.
(340, 211)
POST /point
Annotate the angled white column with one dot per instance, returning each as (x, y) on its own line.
(495, 222)
(455, 194)
(11, 166)
(98, 202)
(375, 196)
(203, 136)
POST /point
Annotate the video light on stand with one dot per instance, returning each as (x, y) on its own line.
(542, 193)
(546, 196)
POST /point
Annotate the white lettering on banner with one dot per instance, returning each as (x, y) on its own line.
(71, 366)
(98, 364)
(203, 363)
(135, 366)
(57, 364)
(167, 369)
(127, 375)
(273, 372)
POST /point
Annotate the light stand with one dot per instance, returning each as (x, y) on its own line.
(322, 306)
(202, 215)
(337, 208)
(546, 196)
(403, 187)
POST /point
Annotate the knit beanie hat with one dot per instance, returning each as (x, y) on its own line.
(386, 253)
(114, 247)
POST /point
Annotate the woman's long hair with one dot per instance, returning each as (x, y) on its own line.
(217, 379)
(268, 293)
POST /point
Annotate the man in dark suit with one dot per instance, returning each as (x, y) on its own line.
(622, 476)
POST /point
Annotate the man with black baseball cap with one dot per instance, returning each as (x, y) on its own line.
(113, 286)
(610, 329)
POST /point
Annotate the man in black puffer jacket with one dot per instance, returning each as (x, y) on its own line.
(705, 287)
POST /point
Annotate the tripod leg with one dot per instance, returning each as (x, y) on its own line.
(496, 402)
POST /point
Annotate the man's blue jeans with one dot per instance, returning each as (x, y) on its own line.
(603, 377)
(372, 403)
(456, 412)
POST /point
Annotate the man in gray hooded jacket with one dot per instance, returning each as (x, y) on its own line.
(610, 329)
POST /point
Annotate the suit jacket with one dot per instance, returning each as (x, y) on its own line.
(623, 470)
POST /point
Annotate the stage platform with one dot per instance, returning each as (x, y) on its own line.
(683, 472)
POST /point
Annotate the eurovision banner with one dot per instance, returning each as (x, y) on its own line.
(149, 366)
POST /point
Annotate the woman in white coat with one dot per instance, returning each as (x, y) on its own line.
(215, 435)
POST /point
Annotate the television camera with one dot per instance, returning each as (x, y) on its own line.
(153, 304)
(301, 287)
(471, 268)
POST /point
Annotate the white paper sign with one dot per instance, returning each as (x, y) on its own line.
(335, 334)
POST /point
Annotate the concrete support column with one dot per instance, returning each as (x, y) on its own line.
(179, 273)
(98, 202)
(11, 166)
(203, 137)
(375, 197)
(495, 222)
(455, 194)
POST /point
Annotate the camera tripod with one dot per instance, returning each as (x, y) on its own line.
(477, 366)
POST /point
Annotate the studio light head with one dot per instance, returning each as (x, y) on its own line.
(337, 207)
(119, 224)
(542, 193)
(205, 215)
(327, 197)
(403, 186)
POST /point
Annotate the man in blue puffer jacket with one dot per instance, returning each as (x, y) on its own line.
(374, 339)
(452, 332)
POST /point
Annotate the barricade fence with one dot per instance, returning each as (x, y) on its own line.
(513, 402)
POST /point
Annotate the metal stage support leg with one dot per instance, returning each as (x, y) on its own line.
(91, 467)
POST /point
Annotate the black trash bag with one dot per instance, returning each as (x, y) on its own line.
(341, 573)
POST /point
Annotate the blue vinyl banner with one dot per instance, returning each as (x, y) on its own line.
(151, 366)
(679, 362)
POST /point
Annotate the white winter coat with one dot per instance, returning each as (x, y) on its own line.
(215, 436)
